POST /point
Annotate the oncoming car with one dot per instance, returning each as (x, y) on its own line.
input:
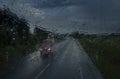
(47, 47)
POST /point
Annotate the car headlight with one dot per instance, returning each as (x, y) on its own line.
(49, 49)
(41, 49)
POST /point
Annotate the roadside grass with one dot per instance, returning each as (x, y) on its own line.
(10, 53)
(104, 52)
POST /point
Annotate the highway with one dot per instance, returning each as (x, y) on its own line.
(70, 61)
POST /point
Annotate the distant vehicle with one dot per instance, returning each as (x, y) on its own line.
(47, 47)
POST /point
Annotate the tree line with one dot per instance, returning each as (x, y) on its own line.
(16, 31)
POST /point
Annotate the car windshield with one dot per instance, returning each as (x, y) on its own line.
(59, 39)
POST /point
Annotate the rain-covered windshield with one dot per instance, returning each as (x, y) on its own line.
(80, 37)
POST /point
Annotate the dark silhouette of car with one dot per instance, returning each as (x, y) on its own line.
(47, 47)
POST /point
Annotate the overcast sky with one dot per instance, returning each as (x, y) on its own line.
(89, 16)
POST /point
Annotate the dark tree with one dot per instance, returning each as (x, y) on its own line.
(13, 30)
(40, 34)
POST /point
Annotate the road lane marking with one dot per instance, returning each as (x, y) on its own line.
(42, 71)
(81, 73)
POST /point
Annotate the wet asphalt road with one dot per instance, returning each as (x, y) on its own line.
(69, 62)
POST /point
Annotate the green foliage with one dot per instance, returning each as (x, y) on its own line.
(15, 37)
(75, 34)
(13, 30)
(10, 53)
(40, 34)
(107, 50)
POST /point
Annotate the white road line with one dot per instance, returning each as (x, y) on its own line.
(81, 73)
(42, 71)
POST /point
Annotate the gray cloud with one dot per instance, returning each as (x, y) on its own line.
(69, 15)
(57, 3)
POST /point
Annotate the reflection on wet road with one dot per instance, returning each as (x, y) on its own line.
(69, 62)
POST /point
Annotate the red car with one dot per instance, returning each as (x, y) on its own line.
(46, 47)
